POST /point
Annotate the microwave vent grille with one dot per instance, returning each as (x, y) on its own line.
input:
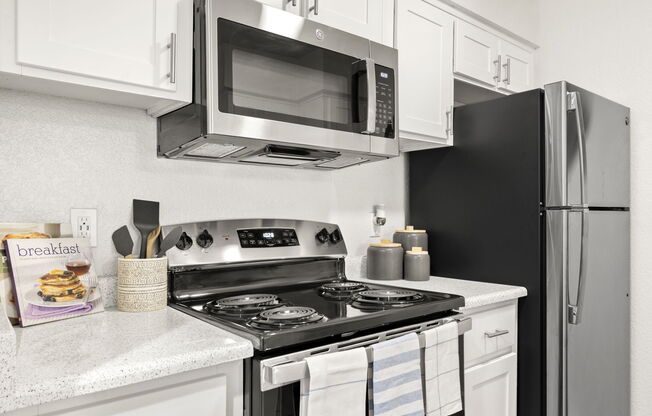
(214, 150)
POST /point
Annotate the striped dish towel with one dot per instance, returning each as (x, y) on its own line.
(396, 378)
(337, 385)
(442, 370)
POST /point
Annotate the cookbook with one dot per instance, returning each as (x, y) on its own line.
(22, 231)
(53, 279)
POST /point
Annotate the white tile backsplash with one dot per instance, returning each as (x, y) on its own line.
(59, 153)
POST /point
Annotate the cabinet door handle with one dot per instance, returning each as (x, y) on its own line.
(314, 8)
(508, 70)
(449, 121)
(294, 2)
(496, 333)
(498, 63)
(173, 58)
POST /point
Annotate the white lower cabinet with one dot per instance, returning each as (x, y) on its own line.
(490, 388)
(212, 391)
(490, 361)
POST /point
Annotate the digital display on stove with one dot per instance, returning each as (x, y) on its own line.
(268, 237)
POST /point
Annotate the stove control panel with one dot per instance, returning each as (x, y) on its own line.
(268, 237)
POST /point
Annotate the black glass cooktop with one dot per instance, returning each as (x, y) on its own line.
(284, 316)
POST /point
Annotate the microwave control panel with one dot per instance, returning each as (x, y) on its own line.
(268, 237)
(385, 98)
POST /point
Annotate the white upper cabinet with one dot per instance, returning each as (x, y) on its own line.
(517, 69)
(371, 19)
(424, 38)
(476, 53)
(142, 48)
(491, 61)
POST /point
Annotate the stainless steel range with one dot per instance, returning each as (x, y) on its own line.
(281, 284)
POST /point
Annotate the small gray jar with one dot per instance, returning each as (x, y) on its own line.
(385, 261)
(410, 237)
(417, 264)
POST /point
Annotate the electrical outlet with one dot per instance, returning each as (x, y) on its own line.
(84, 224)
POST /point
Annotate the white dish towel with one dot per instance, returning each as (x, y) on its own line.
(337, 385)
(396, 378)
(442, 370)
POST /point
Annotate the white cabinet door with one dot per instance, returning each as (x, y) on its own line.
(517, 66)
(120, 40)
(476, 53)
(371, 19)
(424, 38)
(490, 388)
(213, 391)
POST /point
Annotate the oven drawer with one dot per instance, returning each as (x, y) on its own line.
(493, 334)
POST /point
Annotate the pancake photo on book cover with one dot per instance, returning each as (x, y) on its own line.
(53, 279)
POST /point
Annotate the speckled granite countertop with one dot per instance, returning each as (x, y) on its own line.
(475, 294)
(109, 350)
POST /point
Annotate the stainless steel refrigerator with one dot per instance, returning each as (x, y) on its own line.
(535, 192)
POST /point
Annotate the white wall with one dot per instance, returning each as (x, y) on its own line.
(603, 46)
(517, 16)
(58, 153)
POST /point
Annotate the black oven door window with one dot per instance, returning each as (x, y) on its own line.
(272, 77)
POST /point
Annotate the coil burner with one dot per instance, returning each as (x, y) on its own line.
(243, 304)
(341, 290)
(386, 299)
(286, 317)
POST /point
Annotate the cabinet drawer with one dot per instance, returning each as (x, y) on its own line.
(494, 332)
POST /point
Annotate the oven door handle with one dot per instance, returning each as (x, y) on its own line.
(370, 65)
(286, 372)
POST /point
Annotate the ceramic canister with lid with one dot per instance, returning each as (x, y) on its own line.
(385, 261)
(410, 237)
(417, 264)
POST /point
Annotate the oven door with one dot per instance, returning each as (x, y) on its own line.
(284, 79)
(273, 383)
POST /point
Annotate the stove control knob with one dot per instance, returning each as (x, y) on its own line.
(335, 236)
(322, 236)
(204, 240)
(185, 242)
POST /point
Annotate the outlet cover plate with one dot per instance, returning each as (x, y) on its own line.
(84, 224)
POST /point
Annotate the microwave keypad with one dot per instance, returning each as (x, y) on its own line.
(385, 99)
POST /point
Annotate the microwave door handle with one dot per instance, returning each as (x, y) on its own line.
(371, 96)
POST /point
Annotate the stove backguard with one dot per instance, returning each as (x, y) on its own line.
(199, 284)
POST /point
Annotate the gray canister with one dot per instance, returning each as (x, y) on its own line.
(410, 237)
(417, 264)
(385, 261)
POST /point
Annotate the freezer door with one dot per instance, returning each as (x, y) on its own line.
(588, 272)
(586, 149)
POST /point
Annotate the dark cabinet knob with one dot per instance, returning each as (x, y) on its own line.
(204, 240)
(185, 242)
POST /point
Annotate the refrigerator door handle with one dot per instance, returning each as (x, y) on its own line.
(575, 306)
(574, 104)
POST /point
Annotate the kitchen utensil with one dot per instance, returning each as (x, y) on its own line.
(92, 284)
(416, 265)
(385, 261)
(151, 240)
(410, 237)
(169, 241)
(146, 214)
(122, 241)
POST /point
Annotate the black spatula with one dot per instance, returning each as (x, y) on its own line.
(169, 241)
(123, 242)
(145, 220)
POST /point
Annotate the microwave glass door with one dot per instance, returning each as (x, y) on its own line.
(272, 77)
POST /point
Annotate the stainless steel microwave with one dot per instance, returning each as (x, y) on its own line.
(274, 88)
